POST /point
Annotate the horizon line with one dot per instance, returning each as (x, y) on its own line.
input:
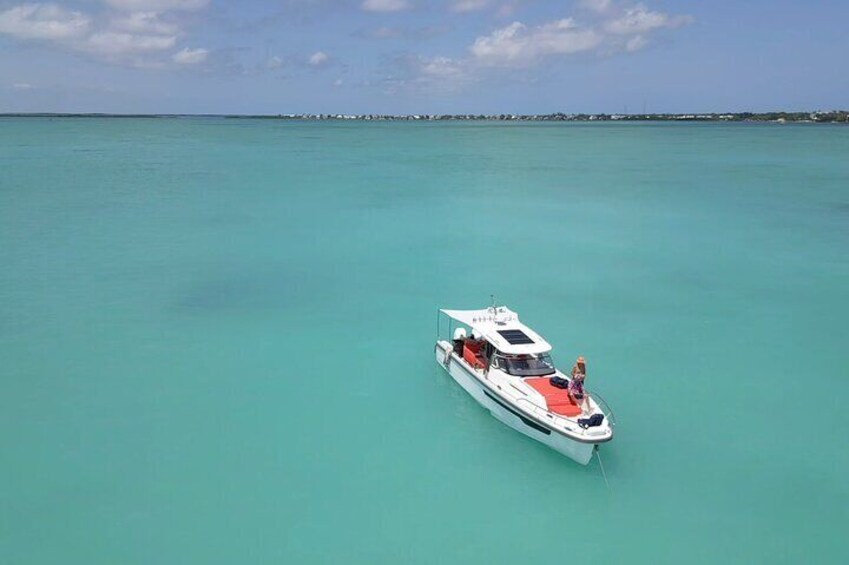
(421, 115)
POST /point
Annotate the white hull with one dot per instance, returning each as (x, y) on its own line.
(579, 451)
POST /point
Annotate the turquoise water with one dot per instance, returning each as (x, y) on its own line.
(217, 340)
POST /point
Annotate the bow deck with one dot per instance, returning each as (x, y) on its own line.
(557, 399)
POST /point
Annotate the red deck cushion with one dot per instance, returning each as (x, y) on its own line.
(557, 399)
(473, 357)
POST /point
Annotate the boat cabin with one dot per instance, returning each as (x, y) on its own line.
(499, 340)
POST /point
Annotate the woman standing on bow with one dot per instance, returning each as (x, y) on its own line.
(576, 384)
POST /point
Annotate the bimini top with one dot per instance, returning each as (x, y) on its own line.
(501, 327)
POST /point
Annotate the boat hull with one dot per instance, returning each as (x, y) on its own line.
(580, 452)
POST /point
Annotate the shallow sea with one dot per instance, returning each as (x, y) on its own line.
(216, 340)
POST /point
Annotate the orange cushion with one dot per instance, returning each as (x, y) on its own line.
(569, 410)
(471, 358)
(558, 400)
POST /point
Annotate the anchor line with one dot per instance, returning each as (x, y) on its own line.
(601, 466)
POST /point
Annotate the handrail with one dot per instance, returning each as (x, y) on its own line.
(535, 409)
(449, 353)
(604, 405)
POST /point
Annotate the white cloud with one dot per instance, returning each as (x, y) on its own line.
(609, 27)
(518, 44)
(469, 5)
(338, 82)
(145, 22)
(385, 5)
(157, 5)
(640, 19)
(274, 62)
(188, 56)
(318, 58)
(432, 74)
(22, 86)
(636, 43)
(442, 67)
(112, 43)
(615, 28)
(43, 21)
(138, 34)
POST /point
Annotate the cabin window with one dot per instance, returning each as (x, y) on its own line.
(524, 365)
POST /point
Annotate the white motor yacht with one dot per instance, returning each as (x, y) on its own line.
(507, 367)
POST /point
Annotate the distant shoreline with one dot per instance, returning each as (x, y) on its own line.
(831, 117)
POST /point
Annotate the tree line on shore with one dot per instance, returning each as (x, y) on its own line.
(833, 116)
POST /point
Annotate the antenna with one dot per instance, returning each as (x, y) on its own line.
(492, 297)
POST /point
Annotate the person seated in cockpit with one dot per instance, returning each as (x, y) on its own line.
(459, 340)
(478, 344)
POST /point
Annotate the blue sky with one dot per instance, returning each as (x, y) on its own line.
(417, 56)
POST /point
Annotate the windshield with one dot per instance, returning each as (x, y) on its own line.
(524, 365)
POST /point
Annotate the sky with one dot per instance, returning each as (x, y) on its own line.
(422, 57)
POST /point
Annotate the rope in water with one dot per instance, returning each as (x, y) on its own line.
(601, 466)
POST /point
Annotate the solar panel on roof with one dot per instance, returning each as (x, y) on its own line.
(515, 337)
